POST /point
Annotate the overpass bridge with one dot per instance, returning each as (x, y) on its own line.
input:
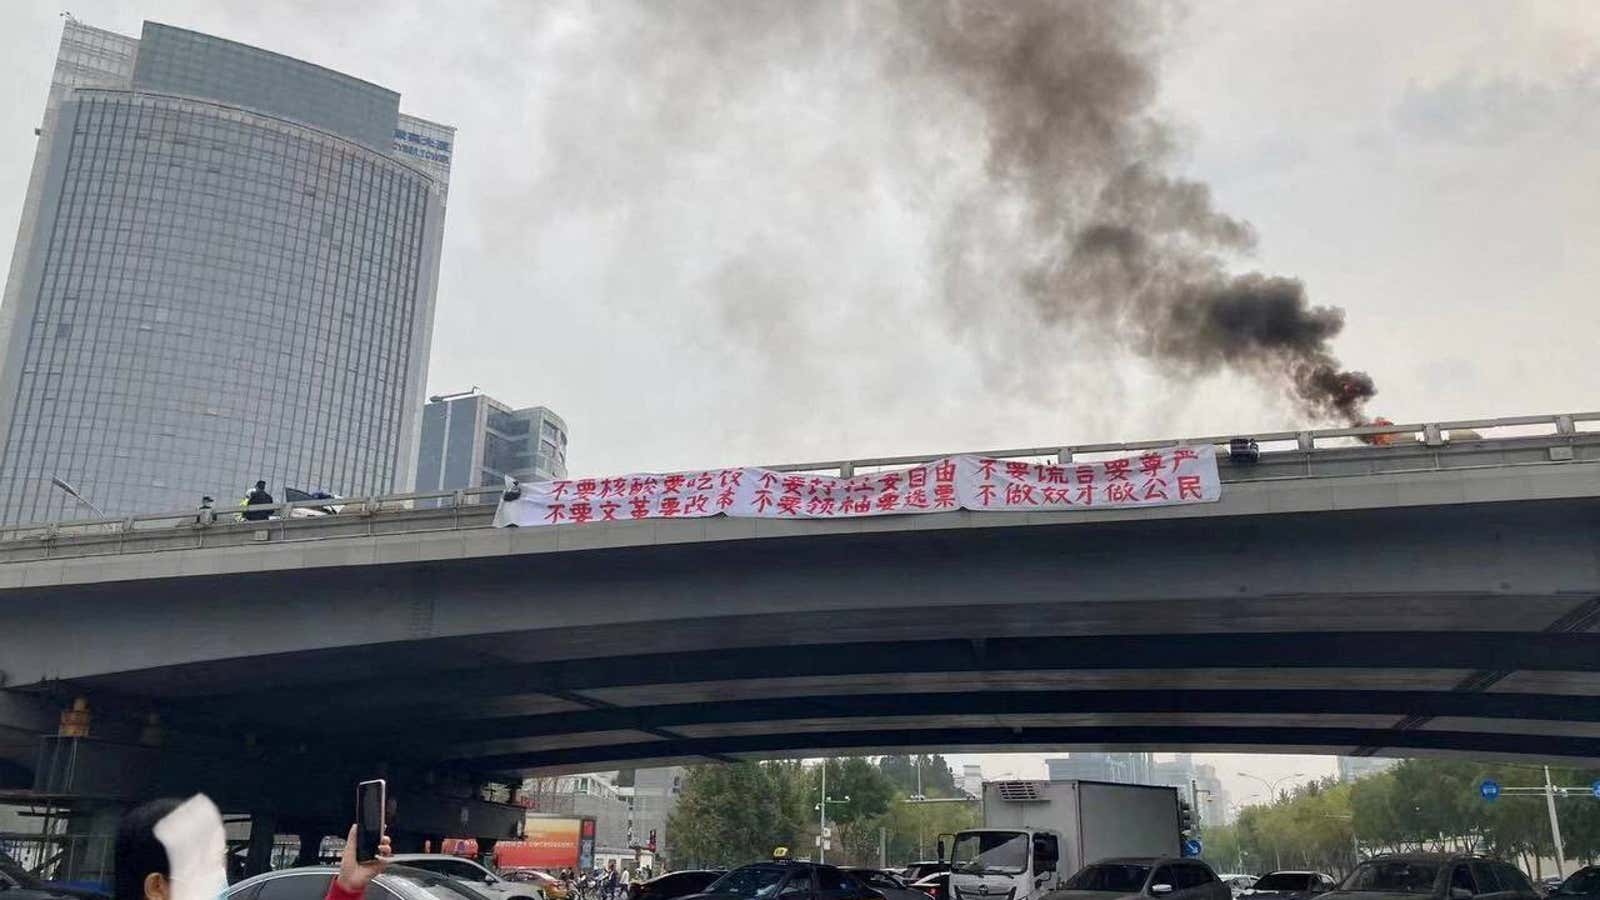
(1439, 594)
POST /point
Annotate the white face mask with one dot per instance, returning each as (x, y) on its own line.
(196, 847)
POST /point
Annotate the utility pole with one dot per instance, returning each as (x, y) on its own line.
(822, 815)
(1555, 824)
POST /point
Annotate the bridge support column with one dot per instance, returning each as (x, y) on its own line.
(263, 827)
(310, 848)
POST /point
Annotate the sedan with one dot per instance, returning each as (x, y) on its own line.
(463, 869)
(789, 880)
(1142, 877)
(1289, 885)
(890, 886)
(311, 883)
(674, 884)
(936, 885)
(922, 869)
(1583, 884)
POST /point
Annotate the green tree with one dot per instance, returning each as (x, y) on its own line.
(732, 814)
(937, 779)
(855, 820)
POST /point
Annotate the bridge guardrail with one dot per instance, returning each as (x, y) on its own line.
(473, 507)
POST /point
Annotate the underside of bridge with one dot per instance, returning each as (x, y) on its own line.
(1469, 631)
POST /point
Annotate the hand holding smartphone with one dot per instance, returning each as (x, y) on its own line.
(371, 802)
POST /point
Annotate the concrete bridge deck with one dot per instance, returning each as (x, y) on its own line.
(1436, 596)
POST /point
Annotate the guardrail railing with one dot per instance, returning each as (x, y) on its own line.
(450, 504)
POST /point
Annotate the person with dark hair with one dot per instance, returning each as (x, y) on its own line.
(144, 852)
(142, 869)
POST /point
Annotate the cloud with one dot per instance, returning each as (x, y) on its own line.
(1469, 108)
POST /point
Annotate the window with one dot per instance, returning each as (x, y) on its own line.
(997, 852)
(1392, 877)
(455, 868)
(1188, 877)
(1046, 853)
(1283, 881)
(1164, 875)
(1512, 879)
(311, 886)
(750, 881)
(830, 879)
(1488, 881)
(1121, 879)
(1461, 878)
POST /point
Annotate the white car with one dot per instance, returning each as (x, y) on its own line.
(475, 875)
(398, 883)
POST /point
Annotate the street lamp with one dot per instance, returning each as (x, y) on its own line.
(1272, 786)
(72, 492)
(1272, 797)
(822, 815)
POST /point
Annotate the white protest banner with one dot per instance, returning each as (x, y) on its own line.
(1163, 477)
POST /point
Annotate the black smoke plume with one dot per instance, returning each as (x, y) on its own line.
(1016, 143)
(1066, 89)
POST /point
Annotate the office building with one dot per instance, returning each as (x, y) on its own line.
(1352, 768)
(1122, 768)
(652, 796)
(972, 780)
(1181, 772)
(470, 440)
(225, 270)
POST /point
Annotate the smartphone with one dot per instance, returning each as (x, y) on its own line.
(371, 800)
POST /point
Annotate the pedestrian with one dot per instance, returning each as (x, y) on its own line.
(612, 880)
(171, 849)
(257, 497)
(205, 515)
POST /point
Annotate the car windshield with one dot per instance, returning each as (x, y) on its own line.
(1586, 881)
(1283, 881)
(1393, 877)
(750, 881)
(1120, 878)
(1004, 852)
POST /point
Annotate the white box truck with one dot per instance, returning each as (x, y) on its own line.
(1037, 834)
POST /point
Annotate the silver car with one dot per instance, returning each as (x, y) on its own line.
(311, 883)
(1141, 878)
(480, 878)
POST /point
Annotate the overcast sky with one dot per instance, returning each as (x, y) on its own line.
(709, 239)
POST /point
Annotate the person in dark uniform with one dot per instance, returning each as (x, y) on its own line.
(257, 497)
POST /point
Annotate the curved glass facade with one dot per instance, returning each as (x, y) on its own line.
(214, 295)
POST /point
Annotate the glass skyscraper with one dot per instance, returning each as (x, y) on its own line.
(226, 271)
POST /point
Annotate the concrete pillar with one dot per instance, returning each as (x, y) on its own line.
(258, 859)
(310, 844)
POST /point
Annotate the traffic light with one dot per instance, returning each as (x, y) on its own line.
(1187, 824)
